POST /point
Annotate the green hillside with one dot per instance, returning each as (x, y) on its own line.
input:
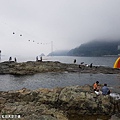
(96, 48)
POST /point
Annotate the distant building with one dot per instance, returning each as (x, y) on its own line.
(0, 55)
(118, 47)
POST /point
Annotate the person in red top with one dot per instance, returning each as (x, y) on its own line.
(95, 86)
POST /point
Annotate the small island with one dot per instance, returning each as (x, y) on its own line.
(33, 67)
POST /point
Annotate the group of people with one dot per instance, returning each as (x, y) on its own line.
(15, 59)
(37, 59)
(98, 90)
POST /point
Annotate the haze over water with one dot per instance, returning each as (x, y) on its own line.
(102, 61)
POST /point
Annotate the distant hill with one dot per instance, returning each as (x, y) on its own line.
(59, 53)
(42, 54)
(96, 48)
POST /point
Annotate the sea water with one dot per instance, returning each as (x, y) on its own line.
(52, 79)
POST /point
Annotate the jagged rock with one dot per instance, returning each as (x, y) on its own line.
(57, 103)
(2, 100)
(32, 67)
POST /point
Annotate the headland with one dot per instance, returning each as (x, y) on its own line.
(33, 67)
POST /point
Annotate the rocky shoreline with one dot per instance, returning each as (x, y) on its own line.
(33, 67)
(57, 103)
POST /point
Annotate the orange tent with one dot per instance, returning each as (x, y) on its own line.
(117, 63)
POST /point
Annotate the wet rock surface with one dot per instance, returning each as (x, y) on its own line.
(57, 103)
(31, 67)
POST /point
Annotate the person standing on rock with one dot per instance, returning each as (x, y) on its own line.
(15, 59)
(10, 59)
(74, 60)
(91, 65)
(36, 58)
(105, 90)
(41, 58)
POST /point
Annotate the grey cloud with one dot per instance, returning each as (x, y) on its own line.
(67, 23)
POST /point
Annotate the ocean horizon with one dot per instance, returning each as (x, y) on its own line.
(98, 61)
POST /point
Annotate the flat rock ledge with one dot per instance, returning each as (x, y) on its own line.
(57, 103)
(32, 67)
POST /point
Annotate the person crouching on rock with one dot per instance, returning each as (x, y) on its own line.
(95, 85)
(105, 90)
(96, 88)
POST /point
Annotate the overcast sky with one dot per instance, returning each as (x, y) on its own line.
(68, 23)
